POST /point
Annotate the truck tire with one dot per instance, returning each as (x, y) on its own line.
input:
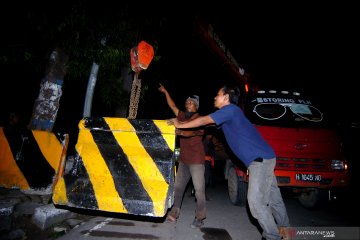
(237, 188)
(314, 198)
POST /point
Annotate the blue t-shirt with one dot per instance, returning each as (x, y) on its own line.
(241, 135)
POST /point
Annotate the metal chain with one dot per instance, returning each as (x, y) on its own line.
(134, 97)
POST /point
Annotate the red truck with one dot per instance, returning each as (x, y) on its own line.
(309, 152)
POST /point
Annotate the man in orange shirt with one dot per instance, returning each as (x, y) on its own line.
(192, 158)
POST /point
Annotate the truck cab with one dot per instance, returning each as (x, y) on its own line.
(310, 160)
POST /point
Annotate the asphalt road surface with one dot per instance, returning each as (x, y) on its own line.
(224, 221)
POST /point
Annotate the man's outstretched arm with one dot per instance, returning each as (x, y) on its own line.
(197, 122)
(169, 100)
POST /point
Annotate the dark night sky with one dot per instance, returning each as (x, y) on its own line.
(312, 48)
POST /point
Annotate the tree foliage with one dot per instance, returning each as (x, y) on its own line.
(87, 32)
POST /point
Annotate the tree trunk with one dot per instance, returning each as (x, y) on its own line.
(47, 104)
(127, 76)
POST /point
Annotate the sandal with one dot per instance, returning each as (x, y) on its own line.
(170, 218)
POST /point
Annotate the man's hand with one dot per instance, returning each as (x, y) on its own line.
(162, 88)
(170, 121)
(173, 121)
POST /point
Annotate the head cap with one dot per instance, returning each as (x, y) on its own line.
(195, 99)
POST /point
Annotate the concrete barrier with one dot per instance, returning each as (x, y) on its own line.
(30, 159)
(121, 165)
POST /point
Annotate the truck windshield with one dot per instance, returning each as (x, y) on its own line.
(289, 114)
(273, 111)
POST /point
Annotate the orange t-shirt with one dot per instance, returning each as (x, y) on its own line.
(191, 148)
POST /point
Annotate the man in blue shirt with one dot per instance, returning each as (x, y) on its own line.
(264, 197)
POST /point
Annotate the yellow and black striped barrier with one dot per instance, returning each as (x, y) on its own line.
(121, 165)
(30, 159)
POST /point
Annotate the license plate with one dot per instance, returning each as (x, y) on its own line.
(308, 177)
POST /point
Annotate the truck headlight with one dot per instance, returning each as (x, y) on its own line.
(338, 165)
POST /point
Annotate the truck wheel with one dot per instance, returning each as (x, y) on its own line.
(237, 188)
(313, 198)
